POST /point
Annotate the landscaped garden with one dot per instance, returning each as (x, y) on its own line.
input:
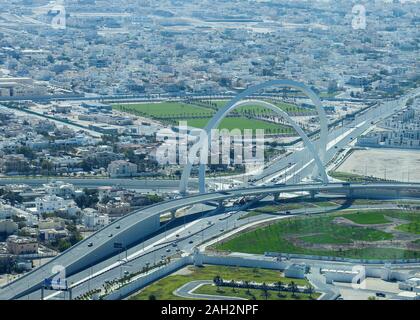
(164, 288)
(364, 234)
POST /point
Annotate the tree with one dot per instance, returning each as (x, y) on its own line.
(233, 285)
(152, 297)
(309, 290)
(280, 286)
(217, 280)
(265, 292)
(247, 286)
(63, 245)
(293, 288)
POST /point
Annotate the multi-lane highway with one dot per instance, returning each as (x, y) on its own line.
(137, 184)
(140, 224)
(96, 259)
(299, 164)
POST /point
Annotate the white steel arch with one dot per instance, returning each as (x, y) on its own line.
(221, 114)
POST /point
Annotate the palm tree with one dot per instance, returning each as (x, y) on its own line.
(247, 286)
(265, 292)
(279, 286)
(309, 290)
(292, 288)
(233, 285)
(217, 280)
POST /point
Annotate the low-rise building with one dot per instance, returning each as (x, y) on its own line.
(114, 209)
(92, 219)
(295, 271)
(60, 189)
(51, 204)
(122, 169)
(21, 245)
(340, 275)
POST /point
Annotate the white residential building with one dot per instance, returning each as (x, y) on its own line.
(52, 203)
(121, 169)
(93, 219)
(60, 188)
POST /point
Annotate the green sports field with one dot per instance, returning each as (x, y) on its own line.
(289, 108)
(198, 116)
(165, 110)
(242, 123)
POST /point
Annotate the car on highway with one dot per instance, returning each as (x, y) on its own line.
(380, 294)
(90, 244)
(190, 242)
(168, 250)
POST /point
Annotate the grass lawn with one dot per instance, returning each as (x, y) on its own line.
(367, 217)
(289, 108)
(162, 289)
(351, 177)
(276, 209)
(412, 227)
(367, 202)
(197, 116)
(254, 294)
(324, 238)
(325, 204)
(281, 208)
(242, 123)
(272, 237)
(164, 109)
(322, 230)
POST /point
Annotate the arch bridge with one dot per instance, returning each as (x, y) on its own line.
(317, 153)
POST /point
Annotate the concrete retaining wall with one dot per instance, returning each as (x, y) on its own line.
(149, 278)
(183, 262)
(339, 259)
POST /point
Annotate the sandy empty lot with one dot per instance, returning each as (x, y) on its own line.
(396, 164)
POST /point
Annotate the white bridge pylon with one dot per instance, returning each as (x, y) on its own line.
(240, 100)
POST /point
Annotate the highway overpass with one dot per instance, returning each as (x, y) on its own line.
(134, 227)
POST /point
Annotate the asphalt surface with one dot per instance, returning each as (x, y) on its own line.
(146, 184)
(187, 236)
(187, 291)
(214, 228)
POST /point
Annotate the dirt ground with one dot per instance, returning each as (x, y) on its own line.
(394, 164)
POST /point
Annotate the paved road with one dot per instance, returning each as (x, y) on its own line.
(103, 240)
(187, 291)
(299, 164)
(146, 184)
(318, 281)
(187, 236)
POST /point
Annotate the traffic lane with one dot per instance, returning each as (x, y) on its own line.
(201, 232)
(138, 263)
